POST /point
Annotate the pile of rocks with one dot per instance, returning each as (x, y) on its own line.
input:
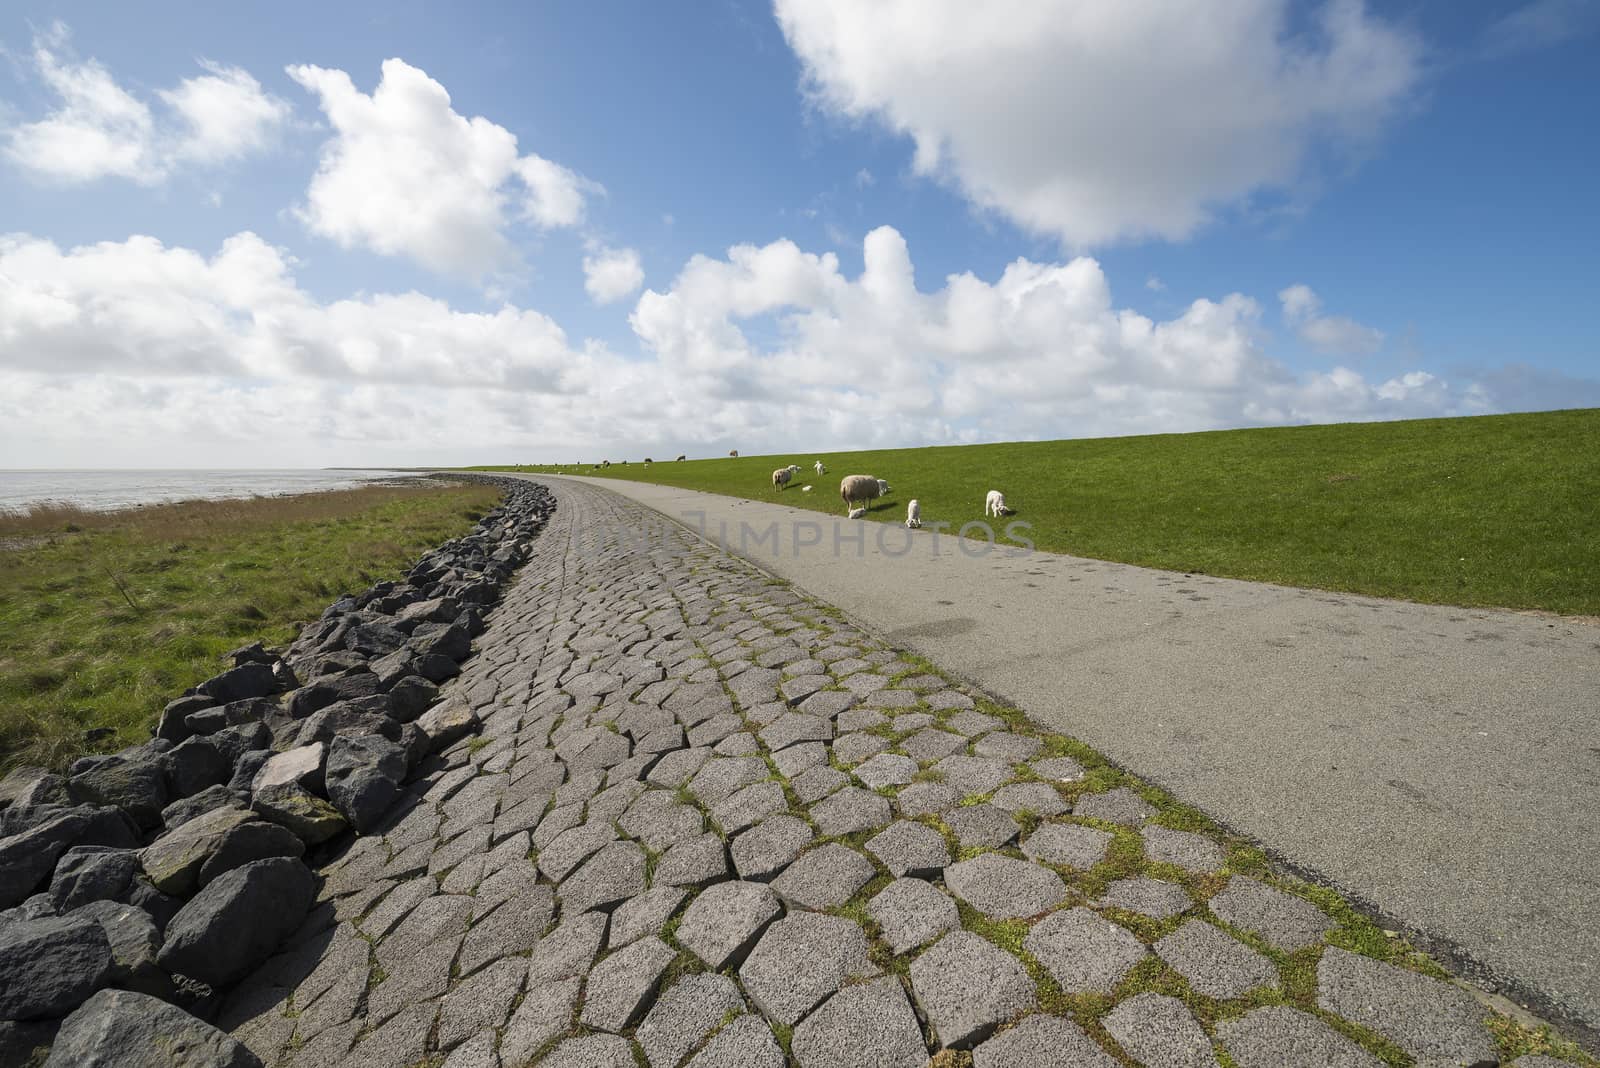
(160, 875)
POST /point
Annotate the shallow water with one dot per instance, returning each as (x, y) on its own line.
(106, 490)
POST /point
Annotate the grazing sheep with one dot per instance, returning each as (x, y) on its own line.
(858, 489)
(734, 452)
(781, 477)
(820, 469)
(914, 514)
(995, 504)
(681, 458)
(805, 489)
(605, 463)
(648, 460)
(856, 513)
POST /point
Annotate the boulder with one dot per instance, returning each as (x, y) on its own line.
(392, 668)
(236, 684)
(450, 640)
(436, 667)
(446, 723)
(235, 741)
(158, 906)
(365, 715)
(236, 922)
(91, 873)
(254, 653)
(336, 662)
(324, 692)
(293, 806)
(28, 786)
(173, 861)
(247, 842)
(363, 777)
(196, 763)
(124, 1029)
(283, 677)
(373, 640)
(411, 697)
(135, 942)
(182, 811)
(213, 719)
(174, 723)
(26, 1043)
(137, 786)
(300, 766)
(50, 965)
(245, 770)
(27, 859)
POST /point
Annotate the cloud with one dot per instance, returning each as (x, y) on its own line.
(405, 175)
(149, 352)
(100, 130)
(1334, 334)
(1108, 120)
(1154, 284)
(1540, 24)
(612, 274)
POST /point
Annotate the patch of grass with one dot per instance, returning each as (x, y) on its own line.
(1490, 510)
(101, 625)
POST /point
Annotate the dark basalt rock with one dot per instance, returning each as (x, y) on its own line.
(28, 858)
(195, 764)
(236, 684)
(363, 777)
(138, 787)
(246, 843)
(124, 1029)
(324, 692)
(411, 697)
(174, 725)
(50, 965)
(182, 811)
(237, 921)
(135, 941)
(91, 873)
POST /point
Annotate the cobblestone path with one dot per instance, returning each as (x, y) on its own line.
(707, 822)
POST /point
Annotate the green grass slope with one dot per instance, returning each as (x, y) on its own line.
(1493, 510)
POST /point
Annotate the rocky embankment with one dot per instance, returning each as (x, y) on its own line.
(139, 887)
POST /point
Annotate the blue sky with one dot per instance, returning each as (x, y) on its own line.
(226, 243)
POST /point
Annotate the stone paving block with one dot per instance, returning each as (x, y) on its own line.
(824, 878)
(621, 985)
(859, 719)
(715, 729)
(794, 759)
(801, 960)
(571, 848)
(885, 769)
(1286, 922)
(907, 723)
(922, 683)
(973, 775)
(422, 974)
(693, 862)
(644, 914)
(1539, 1061)
(1155, 898)
(1121, 805)
(747, 1042)
(926, 799)
(611, 876)
(869, 1025)
(592, 1051)
(1042, 1042)
(508, 882)
(396, 907)
(328, 1047)
(849, 810)
(1189, 851)
(1068, 844)
(687, 1011)
(911, 913)
(609, 804)
(1086, 952)
(442, 916)
(545, 1013)
(476, 1052)
(910, 848)
(763, 715)
(944, 700)
(981, 826)
(932, 744)
(402, 1040)
(722, 924)
(1160, 1030)
(795, 727)
(816, 783)
(1057, 769)
(678, 767)
(569, 950)
(854, 748)
(828, 703)
(848, 666)
(864, 682)
(1216, 964)
(480, 1003)
(1440, 1025)
(720, 777)
(967, 987)
(748, 806)
(557, 822)
(764, 850)
(1038, 798)
(514, 927)
(799, 687)
(1277, 1035)
(659, 820)
(1008, 746)
(892, 699)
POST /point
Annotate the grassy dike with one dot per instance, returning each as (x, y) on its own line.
(1488, 511)
(104, 617)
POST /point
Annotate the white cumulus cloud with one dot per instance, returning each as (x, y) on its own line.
(1332, 334)
(611, 274)
(405, 175)
(101, 130)
(1104, 120)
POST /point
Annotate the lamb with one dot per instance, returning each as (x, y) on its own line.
(995, 504)
(734, 452)
(820, 469)
(680, 459)
(805, 489)
(856, 513)
(854, 489)
(605, 463)
(781, 477)
(914, 514)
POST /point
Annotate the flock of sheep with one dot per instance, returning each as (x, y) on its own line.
(858, 490)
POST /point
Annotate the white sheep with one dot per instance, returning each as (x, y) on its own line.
(781, 477)
(805, 489)
(995, 504)
(858, 489)
(914, 514)
(820, 469)
(856, 513)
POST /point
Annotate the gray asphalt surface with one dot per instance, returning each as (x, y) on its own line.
(1440, 765)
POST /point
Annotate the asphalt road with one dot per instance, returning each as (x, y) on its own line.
(1440, 765)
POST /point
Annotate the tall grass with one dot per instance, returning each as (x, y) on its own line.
(105, 616)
